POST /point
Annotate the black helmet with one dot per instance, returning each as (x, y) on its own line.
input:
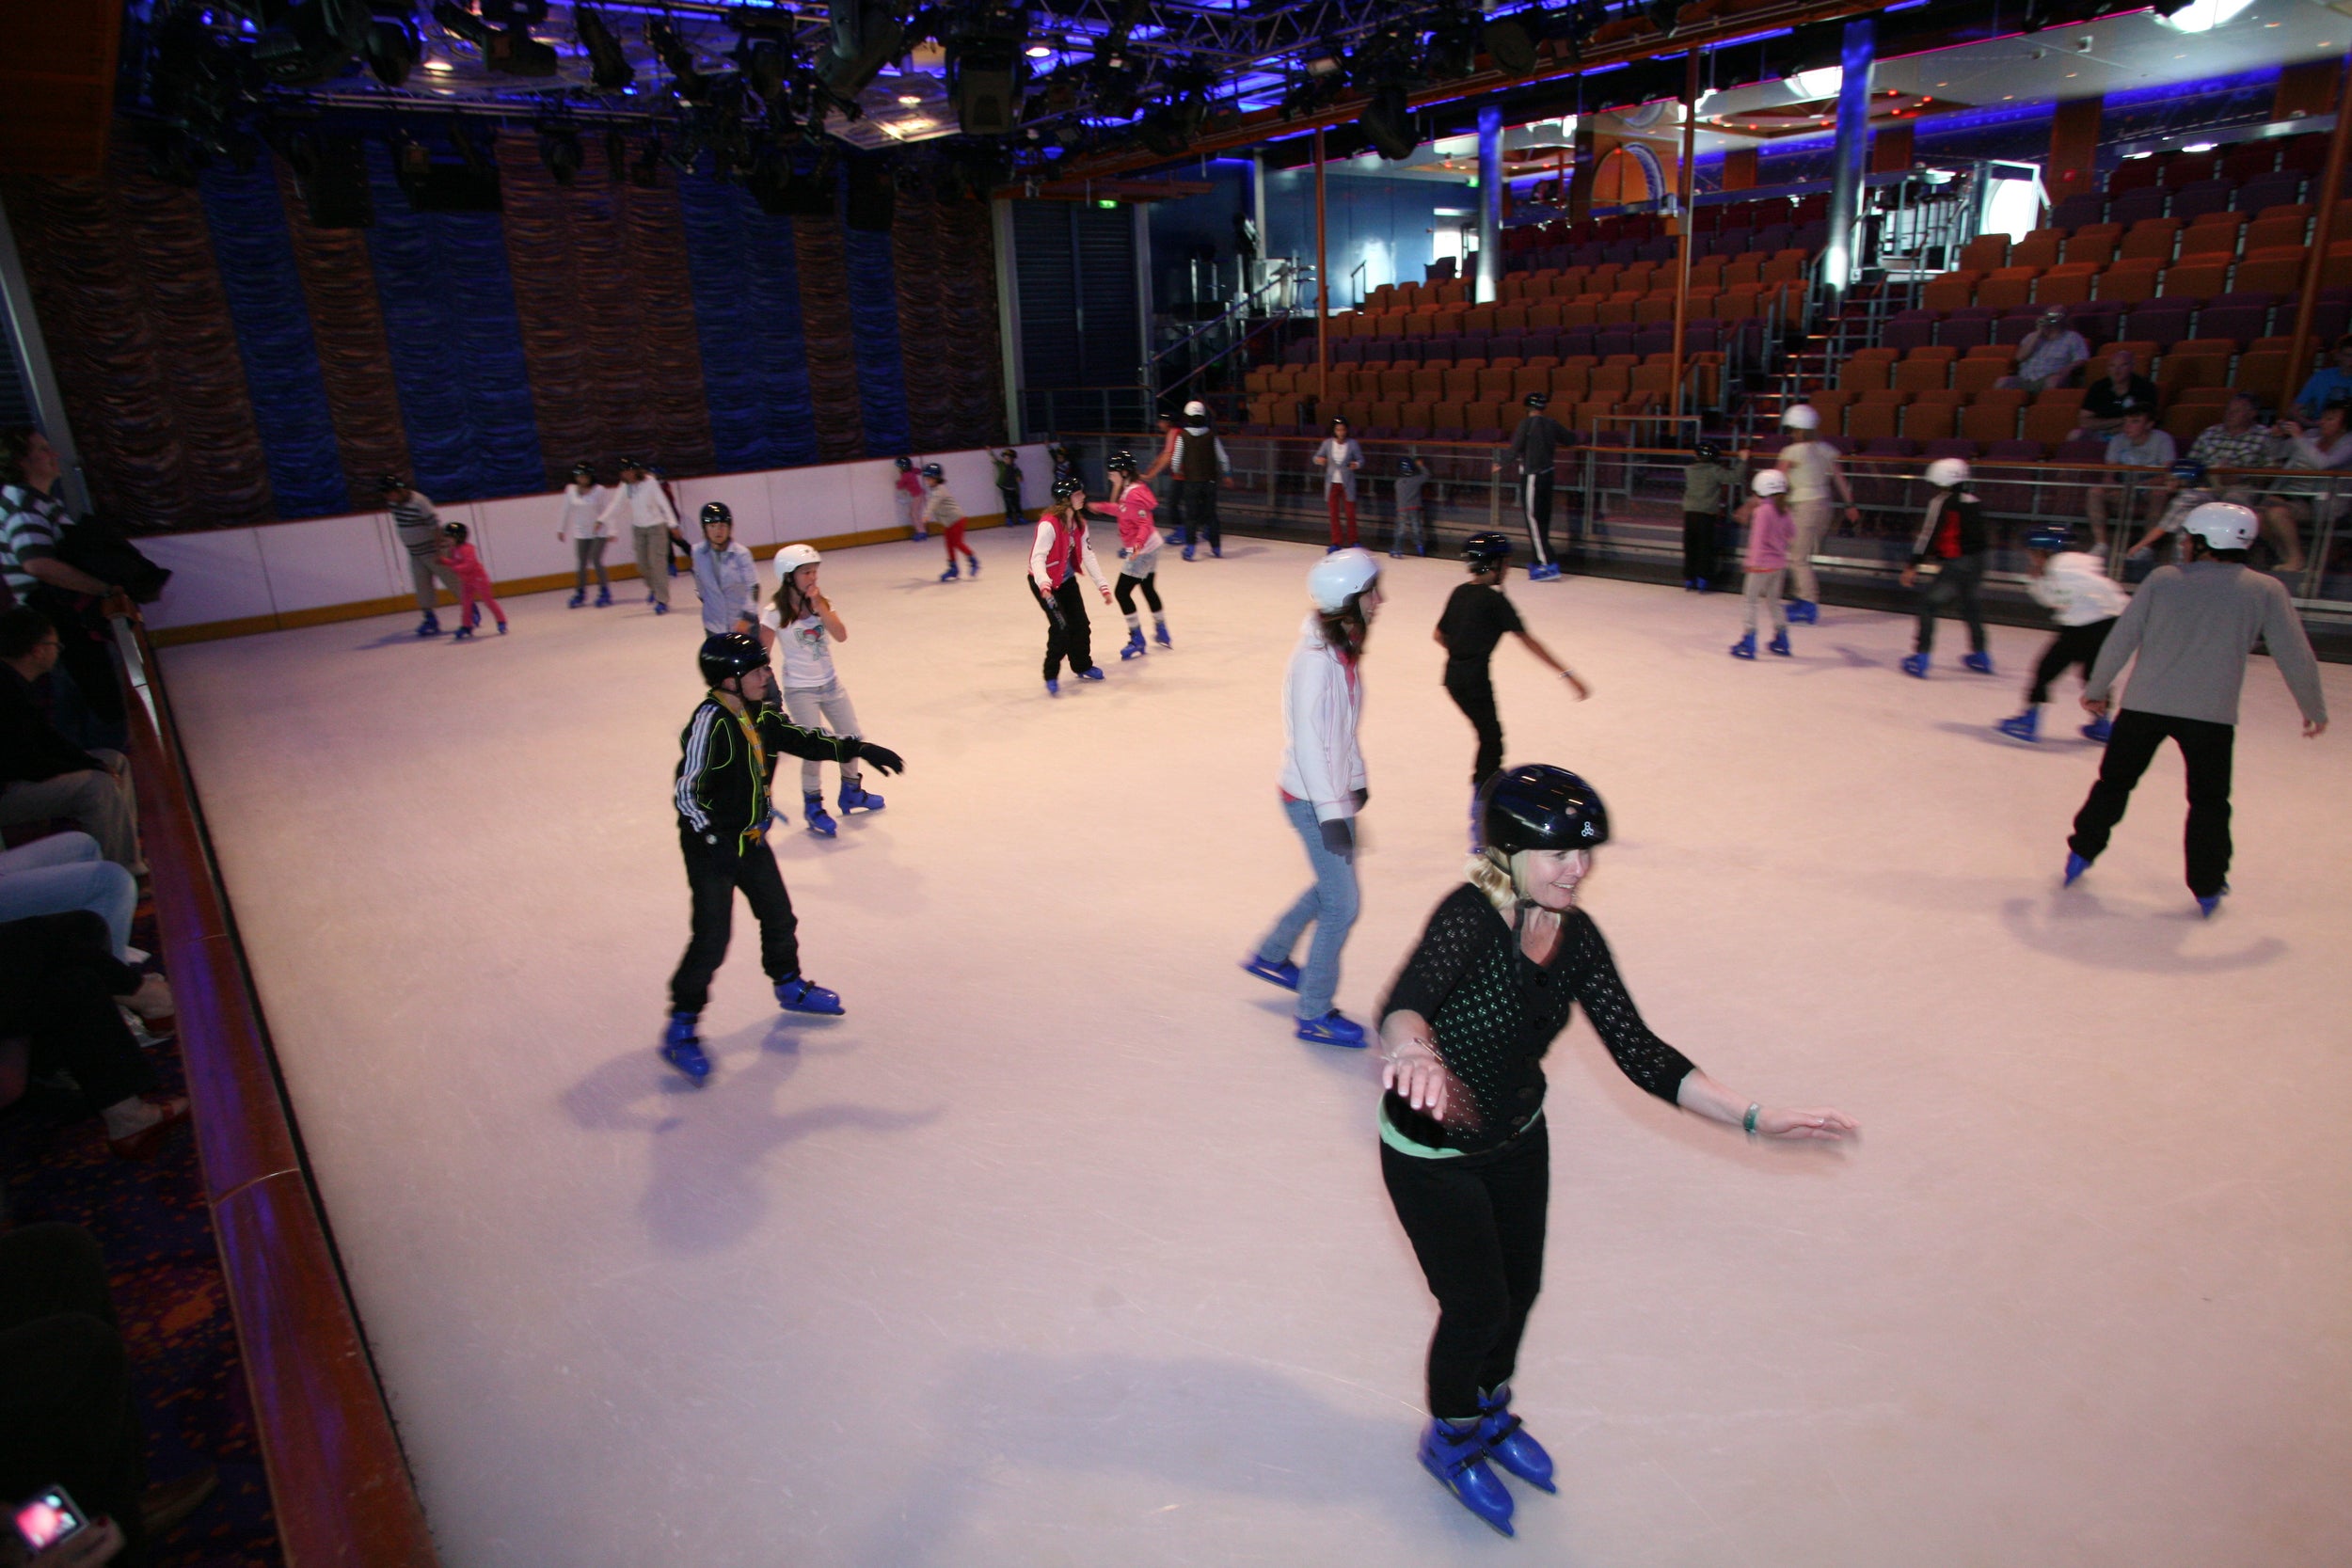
(458, 532)
(1121, 463)
(581, 471)
(628, 463)
(1067, 486)
(1487, 552)
(730, 653)
(717, 511)
(1407, 466)
(904, 463)
(1538, 399)
(389, 482)
(1539, 807)
(1708, 451)
(932, 471)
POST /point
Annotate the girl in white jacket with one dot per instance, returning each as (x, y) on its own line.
(578, 523)
(1323, 789)
(2084, 601)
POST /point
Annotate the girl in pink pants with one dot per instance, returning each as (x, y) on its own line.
(473, 582)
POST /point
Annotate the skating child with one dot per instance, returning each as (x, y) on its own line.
(1059, 553)
(1771, 531)
(725, 575)
(473, 582)
(1340, 457)
(1410, 482)
(2189, 631)
(1138, 553)
(907, 490)
(1009, 486)
(728, 762)
(1813, 475)
(801, 622)
(419, 528)
(1952, 534)
(577, 521)
(644, 506)
(1476, 618)
(1703, 483)
(941, 511)
(2074, 588)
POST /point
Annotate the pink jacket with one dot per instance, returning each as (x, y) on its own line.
(1770, 532)
(468, 568)
(1135, 528)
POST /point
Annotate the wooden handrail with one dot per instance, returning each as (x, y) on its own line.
(338, 1484)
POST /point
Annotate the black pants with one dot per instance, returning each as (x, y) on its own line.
(58, 981)
(1012, 507)
(86, 647)
(1955, 579)
(1477, 1224)
(2074, 645)
(1199, 501)
(66, 1412)
(713, 872)
(1474, 692)
(2206, 751)
(1149, 582)
(1170, 515)
(1068, 632)
(1536, 501)
(1699, 529)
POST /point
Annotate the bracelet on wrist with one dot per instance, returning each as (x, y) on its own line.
(1747, 1123)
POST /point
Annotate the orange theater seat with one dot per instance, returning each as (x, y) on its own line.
(2132, 282)
(2010, 289)
(2094, 242)
(2149, 237)
(1985, 253)
(1925, 369)
(2039, 249)
(1978, 373)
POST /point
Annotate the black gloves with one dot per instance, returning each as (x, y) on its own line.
(1363, 798)
(1339, 838)
(880, 756)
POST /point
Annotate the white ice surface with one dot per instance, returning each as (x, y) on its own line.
(1059, 1250)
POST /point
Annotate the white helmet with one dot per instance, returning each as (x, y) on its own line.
(793, 557)
(1197, 410)
(1803, 415)
(2224, 525)
(1339, 577)
(1770, 482)
(1945, 472)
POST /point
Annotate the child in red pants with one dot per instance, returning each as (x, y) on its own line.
(1339, 457)
(941, 511)
(473, 582)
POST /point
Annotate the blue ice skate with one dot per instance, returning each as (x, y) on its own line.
(604, 596)
(1508, 1443)
(1134, 647)
(430, 626)
(813, 808)
(1745, 647)
(463, 634)
(1159, 632)
(2026, 726)
(1804, 613)
(1281, 972)
(1091, 672)
(683, 1049)
(1779, 644)
(2075, 866)
(855, 797)
(1333, 1028)
(1981, 662)
(1052, 686)
(2208, 903)
(2098, 730)
(661, 609)
(1458, 1460)
(796, 995)
(577, 599)
(1917, 666)
(950, 573)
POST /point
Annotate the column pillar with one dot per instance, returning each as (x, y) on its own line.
(1852, 148)
(1322, 289)
(2074, 165)
(1489, 205)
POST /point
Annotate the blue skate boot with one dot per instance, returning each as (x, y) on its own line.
(1284, 973)
(577, 599)
(604, 596)
(661, 609)
(2026, 726)
(1458, 1460)
(1159, 632)
(950, 573)
(1779, 644)
(683, 1049)
(2209, 902)
(1188, 552)
(1981, 663)
(796, 995)
(854, 797)
(813, 808)
(430, 626)
(1091, 672)
(1804, 613)
(2098, 730)
(1917, 666)
(2075, 866)
(1745, 647)
(1052, 686)
(463, 634)
(1508, 1443)
(1333, 1028)
(1134, 647)
(974, 567)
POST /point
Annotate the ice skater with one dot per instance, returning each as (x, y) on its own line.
(1464, 1147)
(2084, 602)
(2188, 632)
(577, 521)
(419, 528)
(941, 511)
(906, 491)
(1138, 553)
(1172, 507)
(1323, 790)
(1202, 466)
(1007, 464)
(1411, 515)
(474, 587)
(1477, 615)
(801, 622)
(1770, 531)
(728, 759)
(1061, 550)
(1953, 536)
(1703, 483)
(1340, 457)
(726, 579)
(642, 503)
(1535, 447)
(1813, 475)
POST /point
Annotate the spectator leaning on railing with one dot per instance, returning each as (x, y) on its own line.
(2328, 383)
(2139, 445)
(44, 776)
(2324, 448)
(33, 523)
(2241, 440)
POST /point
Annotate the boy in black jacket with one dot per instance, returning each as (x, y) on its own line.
(729, 756)
(1953, 536)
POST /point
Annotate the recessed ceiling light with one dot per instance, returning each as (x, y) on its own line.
(1039, 50)
(2071, 74)
(437, 65)
(910, 98)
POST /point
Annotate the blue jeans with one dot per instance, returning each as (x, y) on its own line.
(1329, 905)
(63, 872)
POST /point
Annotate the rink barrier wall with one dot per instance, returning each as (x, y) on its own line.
(340, 1485)
(273, 576)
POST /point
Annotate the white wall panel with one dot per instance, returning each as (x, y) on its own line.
(214, 576)
(517, 537)
(333, 561)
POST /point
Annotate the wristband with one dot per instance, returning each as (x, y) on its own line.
(1747, 1123)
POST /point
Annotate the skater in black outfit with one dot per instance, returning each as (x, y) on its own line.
(728, 763)
(1703, 485)
(1465, 1153)
(1536, 447)
(1061, 550)
(1476, 619)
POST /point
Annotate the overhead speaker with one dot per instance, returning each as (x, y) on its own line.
(873, 194)
(1510, 43)
(1389, 123)
(865, 38)
(985, 82)
(335, 185)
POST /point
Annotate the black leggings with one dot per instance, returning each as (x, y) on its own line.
(1474, 692)
(2074, 645)
(1477, 1224)
(1068, 632)
(713, 872)
(1698, 544)
(1127, 587)
(2206, 748)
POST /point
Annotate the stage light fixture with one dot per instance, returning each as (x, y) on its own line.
(1388, 122)
(1663, 15)
(609, 64)
(559, 148)
(686, 80)
(393, 48)
(1453, 48)
(984, 79)
(509, 51)
(866, 35)
(1510, 41)
(514, 13)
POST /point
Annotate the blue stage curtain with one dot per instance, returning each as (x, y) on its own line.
(747, 310)
(881, 388)
(255, 255)
(456, 343)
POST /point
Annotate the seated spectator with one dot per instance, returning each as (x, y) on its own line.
(2048, 355)
(2186, 488)
(2328, 383)
(66, 871)
(2112, 396)
(33, 523)
(2139, 445)
(2324, 448)
(2241, 440)
(61, 994)
(42, 775)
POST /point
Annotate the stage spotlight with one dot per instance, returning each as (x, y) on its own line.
(1324, 62)
(514, 13)
(984, 80)
(1388, 122)
(866, 37)
(1663, 15)
(559, 148)
(1510, 41)
(1453, 48)
(509, 51)
(393, 48)
(607, 62)
(685, 79)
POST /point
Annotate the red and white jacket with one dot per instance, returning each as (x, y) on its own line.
(1061, 548)
(1137, 531)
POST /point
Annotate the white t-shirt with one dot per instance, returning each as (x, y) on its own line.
(807, 647)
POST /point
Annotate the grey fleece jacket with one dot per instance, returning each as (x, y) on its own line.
(2192, 627)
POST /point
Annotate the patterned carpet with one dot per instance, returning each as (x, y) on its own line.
(152, 1220)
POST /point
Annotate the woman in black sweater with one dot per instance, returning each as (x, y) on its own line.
(1501, 965)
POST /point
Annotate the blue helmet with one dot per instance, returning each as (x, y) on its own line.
(2051, 540)
(1407, 466)
(2188, 471)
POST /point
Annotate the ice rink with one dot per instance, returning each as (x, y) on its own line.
(1057, 1249)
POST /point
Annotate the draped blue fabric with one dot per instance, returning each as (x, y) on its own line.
(882, 383)
(747, 311)
(457, 345)
(254, 253)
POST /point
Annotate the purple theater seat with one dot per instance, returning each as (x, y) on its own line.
(2242, 322)
(2283, 189)
(1964, 331)
(1950, 446)
(1575, 341)
(2132, 206)
(1613, 339)
(2079, 212)
(2012, 327)
(2013, 451)
(2199, 196)
(2163, 322)
(1908, 330)
(2079, 451)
